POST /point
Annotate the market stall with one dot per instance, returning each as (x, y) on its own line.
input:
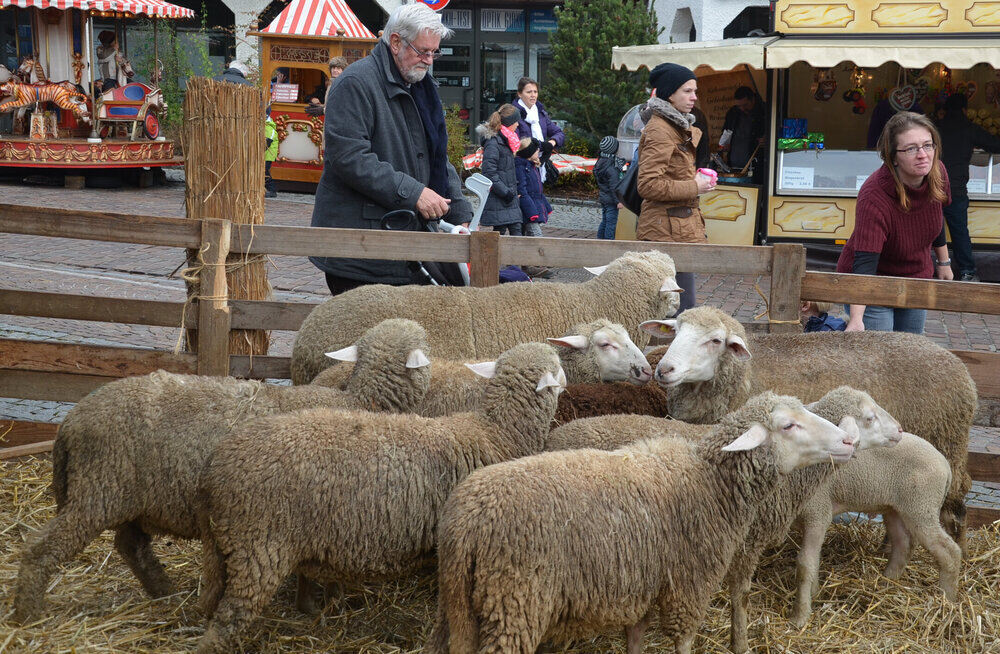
(833, 75)
(54, 112)
(299, 44)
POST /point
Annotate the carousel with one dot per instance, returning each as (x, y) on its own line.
(67, 98)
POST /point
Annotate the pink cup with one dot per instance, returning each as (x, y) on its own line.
(710, 174)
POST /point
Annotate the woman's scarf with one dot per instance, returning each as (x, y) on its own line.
(513, 140)
(531, 117)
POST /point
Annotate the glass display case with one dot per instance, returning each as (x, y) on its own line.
(840, 173)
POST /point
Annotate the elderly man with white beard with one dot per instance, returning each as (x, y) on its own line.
(386, 146)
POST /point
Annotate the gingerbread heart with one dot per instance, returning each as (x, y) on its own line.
(902, 98)
(921, 85)
(970, 89)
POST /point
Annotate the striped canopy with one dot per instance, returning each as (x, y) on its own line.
(318, 18)
(148, 7)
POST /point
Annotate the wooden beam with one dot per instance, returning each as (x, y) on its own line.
(576, 253)
(484, 257)
(267, 314)
(843, 288)
(787, 268)
(213, 309)
(53, 386)
(88, 307)
(99, 226)
(91, 359)
(984, 466)
(25, 450)
(984, 367)
(260, 367)
(18, 432)
(335, 242)
(980, 516)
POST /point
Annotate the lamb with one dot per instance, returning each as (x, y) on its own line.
(908, 484)
(708, 371)
(355, 495)
(853, 410)
(466, 323)
(598, 351)
(565, 544)
(128, 456)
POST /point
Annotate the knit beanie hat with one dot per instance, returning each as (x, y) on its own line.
(609, 145)
(667, 78)
(528, 149)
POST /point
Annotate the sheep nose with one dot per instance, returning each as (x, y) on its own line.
(663, 370)
(646, 373)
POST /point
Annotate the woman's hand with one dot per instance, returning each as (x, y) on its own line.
(944, 271)
(855, 326)
(704, 184)
(855, 322)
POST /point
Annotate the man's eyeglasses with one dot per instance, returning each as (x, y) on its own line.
(434, 55)
(914, 149)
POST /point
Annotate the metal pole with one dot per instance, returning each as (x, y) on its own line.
(17, 38)
(93, 137)
(156, 57)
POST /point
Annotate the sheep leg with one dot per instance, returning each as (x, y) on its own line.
(814, 528)
(634, 634)
(242, 601)
(928, 532)
(437, 641)
(134, 546)
(901, 544)
(953, 513)
(213, 574)
(305, 595)
(741, 570)
(61, 539)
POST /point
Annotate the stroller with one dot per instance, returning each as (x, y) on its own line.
(440, 273)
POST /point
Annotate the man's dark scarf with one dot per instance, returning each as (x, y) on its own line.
(428, 103)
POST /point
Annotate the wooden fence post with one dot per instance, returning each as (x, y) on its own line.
(213, 304)
(484, 258)
(788, 265)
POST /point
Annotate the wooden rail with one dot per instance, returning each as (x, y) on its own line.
(67, 372)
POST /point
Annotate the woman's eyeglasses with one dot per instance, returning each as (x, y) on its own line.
(914, 149)
(433, 55)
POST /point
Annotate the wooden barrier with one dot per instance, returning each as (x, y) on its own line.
(67, 372)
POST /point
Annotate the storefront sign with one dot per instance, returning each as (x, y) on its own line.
(436, 5)
(501, 20)
(457, 19)
(284, 92)
(541, 21)
(795, 177)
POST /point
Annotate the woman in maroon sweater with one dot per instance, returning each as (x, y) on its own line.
(899, 220)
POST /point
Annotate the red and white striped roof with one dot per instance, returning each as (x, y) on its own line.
(148, 7)
(318, 18)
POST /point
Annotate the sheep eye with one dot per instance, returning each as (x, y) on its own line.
(717, 341)
(789, 426)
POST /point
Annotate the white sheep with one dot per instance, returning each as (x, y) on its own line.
(598, 351)
(354, 495)
(907, 484)
(708, 371)
(466, 323)
(567, 544)
(128, 456)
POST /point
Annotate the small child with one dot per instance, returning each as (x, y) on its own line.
(818, 318)
(501, 142)
(608, 171)
(270, 153)
(535, 209)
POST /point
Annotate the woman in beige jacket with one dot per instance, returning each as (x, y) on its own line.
(667, 179)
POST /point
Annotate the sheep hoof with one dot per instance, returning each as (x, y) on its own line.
(893, 571)
(800, 619)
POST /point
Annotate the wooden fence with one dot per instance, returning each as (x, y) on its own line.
(62, 372)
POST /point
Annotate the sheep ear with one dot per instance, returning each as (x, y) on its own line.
(850, 425)
(750, 439)
(738, 347)
(417, 359)
(548, 379)
(575, 341)
(487, 369)
(595, 270)
(349, 353)
(659, 327)
(811, 406)
(670, 286)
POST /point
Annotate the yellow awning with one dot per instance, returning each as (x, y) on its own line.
(908, 51)
(703, 57)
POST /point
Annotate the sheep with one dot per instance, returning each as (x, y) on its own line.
(586, 400)
(466, 323)
(708, 371)
(354, 495)
(128, 455)
(598, 351)
(569, 543)
(908, 484)
(850, 408)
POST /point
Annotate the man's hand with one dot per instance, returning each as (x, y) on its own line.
(432, 206)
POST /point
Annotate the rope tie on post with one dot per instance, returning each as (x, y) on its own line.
(767, 310)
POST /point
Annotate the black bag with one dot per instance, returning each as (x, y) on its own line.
(551, 172)
(628, 187)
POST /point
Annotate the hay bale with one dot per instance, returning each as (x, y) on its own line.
(97, 605)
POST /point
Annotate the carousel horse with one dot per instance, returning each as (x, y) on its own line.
(62, 94)
(124, 66)
(31, 70)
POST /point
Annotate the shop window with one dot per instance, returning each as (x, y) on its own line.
(298, 85)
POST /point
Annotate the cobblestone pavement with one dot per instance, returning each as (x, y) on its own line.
(150, 272)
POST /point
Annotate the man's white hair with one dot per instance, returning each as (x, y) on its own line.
(240, 66)
(410, 20)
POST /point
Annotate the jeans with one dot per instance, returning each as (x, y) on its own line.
(268, 180)
(609, 222)
(888, 319)
(531, 229)
(686, 281)
(513, 229)
(957, 216)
